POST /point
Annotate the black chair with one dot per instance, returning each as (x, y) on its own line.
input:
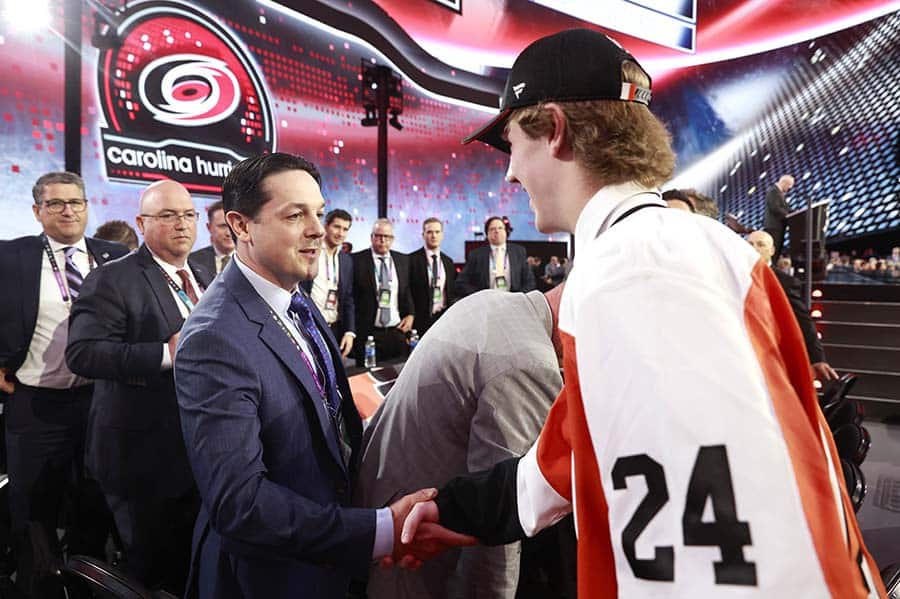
(104, 581)
(891, 577)
(856, 483)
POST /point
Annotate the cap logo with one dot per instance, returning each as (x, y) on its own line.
(518, 88)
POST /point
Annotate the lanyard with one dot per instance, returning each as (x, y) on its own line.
(312, 369)
(331, 264)
(57, 273)
(182, 295)
(631, 211)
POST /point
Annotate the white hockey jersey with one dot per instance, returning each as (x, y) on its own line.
(688, 438)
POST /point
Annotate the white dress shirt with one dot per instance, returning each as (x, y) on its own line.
(172, 271)
(45, 362)
(395, 288)
(326, 280)
(442, 278)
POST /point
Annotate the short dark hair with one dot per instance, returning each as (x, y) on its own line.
(63, 177)
(242, 190)
(338, 213)
(433, 219)
(118, 231)
(211, 209)
(677, 194)
(491, 219)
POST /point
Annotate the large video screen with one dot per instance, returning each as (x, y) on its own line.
(308, 76)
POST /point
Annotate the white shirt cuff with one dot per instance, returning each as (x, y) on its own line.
(166, 359)
(384, 534)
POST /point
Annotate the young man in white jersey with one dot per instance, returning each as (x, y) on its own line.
(687, 438)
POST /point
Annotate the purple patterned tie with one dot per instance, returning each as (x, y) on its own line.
(300, 306)
(73, 275)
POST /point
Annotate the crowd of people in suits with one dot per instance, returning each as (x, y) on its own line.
(196, 404)
(88, 359)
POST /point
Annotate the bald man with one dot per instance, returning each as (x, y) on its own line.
(777, 209)
(762, 242)
(122, 332)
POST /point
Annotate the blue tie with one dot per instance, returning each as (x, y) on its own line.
(73, 275)
(301, 306)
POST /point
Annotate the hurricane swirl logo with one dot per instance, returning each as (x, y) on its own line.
(189, 90)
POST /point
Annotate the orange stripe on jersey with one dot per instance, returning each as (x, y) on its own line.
(565, 437)
(778, 343)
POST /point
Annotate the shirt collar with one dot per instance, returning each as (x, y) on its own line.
(277, 298)
(56, 246)
(608, 204)
(497, 247)
(431, 253)
(170, 269)
(375, 256)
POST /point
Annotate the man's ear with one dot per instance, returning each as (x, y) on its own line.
(240, 224)
(559, 147)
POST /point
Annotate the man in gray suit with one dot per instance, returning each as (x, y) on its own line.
(475, 391)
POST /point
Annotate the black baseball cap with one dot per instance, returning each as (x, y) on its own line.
(572, 65)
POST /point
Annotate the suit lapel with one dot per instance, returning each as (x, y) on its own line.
(272, 335)
(100, 255)
(370, 276)
(201, 274)
(160, 289)
(31, 260)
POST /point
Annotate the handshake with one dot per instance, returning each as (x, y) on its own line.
(417, 534)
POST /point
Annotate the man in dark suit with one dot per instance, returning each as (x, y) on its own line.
(332, 288)
(432, 277)
(777, 210)
(269, 423)
(384, 305)
(499, 265)
(122, 332)
(216, 255)
(762, 243)
(46, 405)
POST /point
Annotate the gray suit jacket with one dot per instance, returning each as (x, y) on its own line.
(475, 391)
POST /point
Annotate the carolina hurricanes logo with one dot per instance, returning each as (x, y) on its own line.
(189, 90)
(182, 97)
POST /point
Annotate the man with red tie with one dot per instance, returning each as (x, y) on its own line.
(122, 332)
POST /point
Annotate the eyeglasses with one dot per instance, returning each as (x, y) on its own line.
(382, 237)
(59, 206)
(170, 218)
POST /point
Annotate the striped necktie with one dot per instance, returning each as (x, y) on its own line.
(73, 275)
(301, 307)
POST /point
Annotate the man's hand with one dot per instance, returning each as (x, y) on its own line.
(824, 371)
(5, 385)
(406, 324)
(346, 344)
(173, 343)
(425, 539)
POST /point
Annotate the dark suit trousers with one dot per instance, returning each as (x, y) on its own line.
(45, 433)
(156, 537)
(777, 234)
